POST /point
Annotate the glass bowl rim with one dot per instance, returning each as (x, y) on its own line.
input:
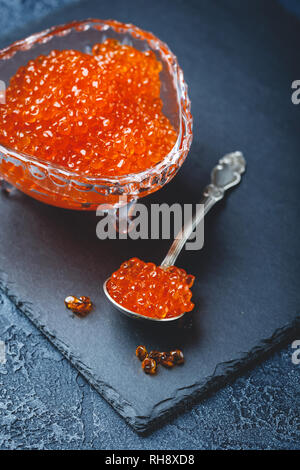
(184, 104)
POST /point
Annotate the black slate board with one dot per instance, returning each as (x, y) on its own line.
(239, 59)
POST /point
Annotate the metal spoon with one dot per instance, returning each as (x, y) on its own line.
(226, 174)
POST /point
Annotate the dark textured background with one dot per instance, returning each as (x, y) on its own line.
(45, 404)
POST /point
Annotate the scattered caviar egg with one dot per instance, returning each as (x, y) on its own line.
(149, 366)
(97, 114)
(156, 355)
(141, 352)
(151, 290)
(81, 306)
(177, 356)
(154, 358)
(167, 360)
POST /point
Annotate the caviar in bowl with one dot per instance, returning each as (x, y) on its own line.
(57, 185)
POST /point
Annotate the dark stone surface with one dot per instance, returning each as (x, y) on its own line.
(46, 404)
(248, 260)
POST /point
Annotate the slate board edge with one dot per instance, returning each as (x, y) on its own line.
(183, 397)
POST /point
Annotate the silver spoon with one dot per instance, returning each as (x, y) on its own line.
(226, 174)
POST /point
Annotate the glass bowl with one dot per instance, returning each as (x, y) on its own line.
(57, 186)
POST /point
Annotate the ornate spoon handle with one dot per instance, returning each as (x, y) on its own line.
(225, 175)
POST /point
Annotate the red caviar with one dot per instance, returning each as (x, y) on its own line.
(94, 114)
(81, 306)
(151, 290)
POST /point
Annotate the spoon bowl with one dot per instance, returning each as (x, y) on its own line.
(134, 315)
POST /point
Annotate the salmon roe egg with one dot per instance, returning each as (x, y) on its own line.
(81, 306)
(152, 290)
(94, 114)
